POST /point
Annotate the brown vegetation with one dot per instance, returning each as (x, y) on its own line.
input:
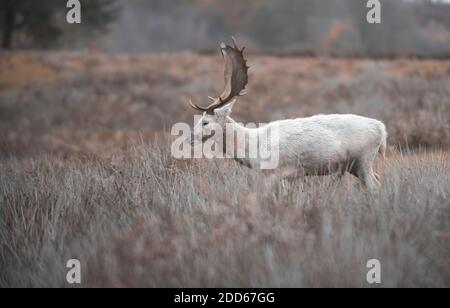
(98, 104)
(85, 173)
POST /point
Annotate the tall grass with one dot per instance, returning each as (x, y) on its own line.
(147, 220)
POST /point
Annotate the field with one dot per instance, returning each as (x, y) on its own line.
(86, 173)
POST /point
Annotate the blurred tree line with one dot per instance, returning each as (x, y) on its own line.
(420, 27)
(41, 24)
(341, 27)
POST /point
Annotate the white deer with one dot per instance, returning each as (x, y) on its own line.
(318, 145)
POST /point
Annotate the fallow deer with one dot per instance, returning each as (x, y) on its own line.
(318, 145)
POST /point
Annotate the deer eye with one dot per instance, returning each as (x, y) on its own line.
(205, 123)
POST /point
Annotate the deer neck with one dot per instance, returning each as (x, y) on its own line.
(242, 141)
(234, 126)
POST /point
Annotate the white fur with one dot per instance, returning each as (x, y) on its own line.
(321, 144)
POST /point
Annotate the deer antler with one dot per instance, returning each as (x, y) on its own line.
(235, 74)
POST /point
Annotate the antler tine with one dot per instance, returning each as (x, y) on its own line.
(222, 47)
(192, 104)
(235, 42)
(237, 46)
(196, 107)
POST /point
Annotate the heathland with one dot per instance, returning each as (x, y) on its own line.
(86, 173)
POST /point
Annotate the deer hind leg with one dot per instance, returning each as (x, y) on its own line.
(362, 169)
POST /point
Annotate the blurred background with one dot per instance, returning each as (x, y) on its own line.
(420, 27)
(124, 75)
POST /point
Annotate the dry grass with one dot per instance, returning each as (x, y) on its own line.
(151, 221)
(82, 176)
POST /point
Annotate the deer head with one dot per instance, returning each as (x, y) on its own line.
(236, 79)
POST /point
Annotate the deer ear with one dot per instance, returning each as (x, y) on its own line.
(225, 110)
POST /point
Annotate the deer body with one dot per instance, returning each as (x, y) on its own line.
(318, 145)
